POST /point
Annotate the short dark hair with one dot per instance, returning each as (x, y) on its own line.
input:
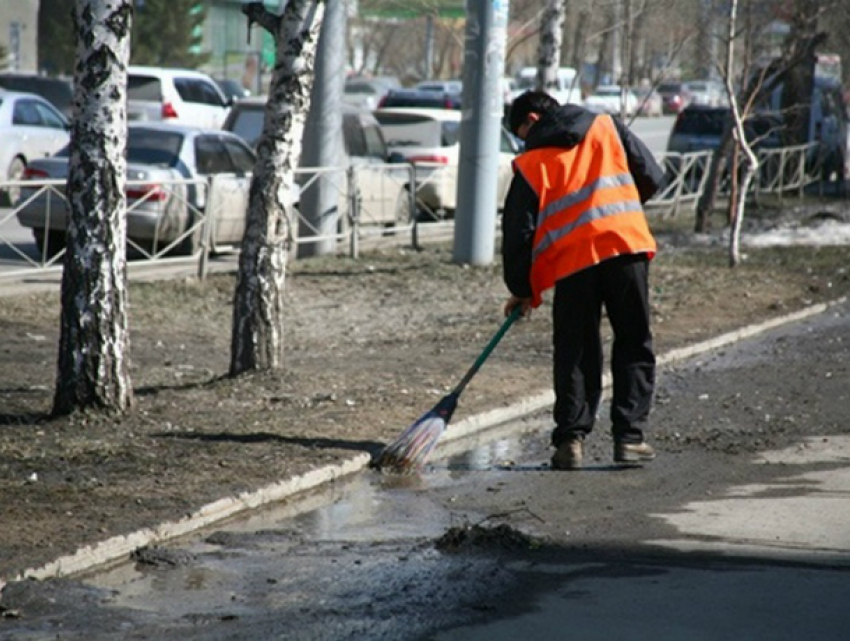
(530, 102)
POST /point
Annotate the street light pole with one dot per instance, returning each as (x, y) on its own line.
(480, 135)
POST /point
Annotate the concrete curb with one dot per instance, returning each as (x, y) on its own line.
(116, 548)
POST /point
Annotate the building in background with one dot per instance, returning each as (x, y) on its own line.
(19, 35)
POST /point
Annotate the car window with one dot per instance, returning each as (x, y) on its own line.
(360, 88)
(211, 156)
(241, 156)
(151, 147)
(352, 134)
(375, 145)
(144, 88)
(26, 114)
(198, 91)
(50, 117)
(451, 133)
(410, 130)
(247, 123)
(507, 144)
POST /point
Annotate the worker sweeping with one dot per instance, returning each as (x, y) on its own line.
(573, 220)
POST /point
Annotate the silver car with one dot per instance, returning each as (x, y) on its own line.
(176, 175)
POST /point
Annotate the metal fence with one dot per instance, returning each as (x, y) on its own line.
(341, 208)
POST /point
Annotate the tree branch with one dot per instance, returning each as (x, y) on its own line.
(257, 12)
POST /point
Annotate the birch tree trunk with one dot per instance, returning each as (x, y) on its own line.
(751, 162)
(549, 51)
(93, 367)
(257, 336)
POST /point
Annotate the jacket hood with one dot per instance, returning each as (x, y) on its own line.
(565, 128)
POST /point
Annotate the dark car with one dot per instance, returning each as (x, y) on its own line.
(698, 128)
(57, 91)
(421, 98)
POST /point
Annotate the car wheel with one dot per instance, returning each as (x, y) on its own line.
(15, 172)
(49, 244)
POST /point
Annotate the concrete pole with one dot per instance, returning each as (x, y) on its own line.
(480, 136)
(322, 144)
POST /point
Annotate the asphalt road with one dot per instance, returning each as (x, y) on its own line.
(740, 530)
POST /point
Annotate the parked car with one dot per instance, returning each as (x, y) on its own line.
(366, 93)
(30, 128)
(675, 96)
(181, 96)
(430, 139)
(363, 147)
(159, 211)
(611, 99)
(422, 99)
(650, 102)
(57, 91)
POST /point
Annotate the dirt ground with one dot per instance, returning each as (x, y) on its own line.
(370, 345)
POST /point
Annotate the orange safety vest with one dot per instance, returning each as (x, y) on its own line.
(589, 208)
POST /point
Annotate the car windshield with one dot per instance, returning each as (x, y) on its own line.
(413, 130)
(608, 91)
(152, 147)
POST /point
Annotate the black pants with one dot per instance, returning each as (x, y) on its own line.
(621, 285)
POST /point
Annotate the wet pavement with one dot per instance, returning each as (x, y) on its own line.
(740, 530)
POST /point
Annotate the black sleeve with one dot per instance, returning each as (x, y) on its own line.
(647, 174)
(519, 222)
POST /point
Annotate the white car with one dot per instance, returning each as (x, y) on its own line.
(430, 139)
(610, 98)
(177, 96)
(30, 128)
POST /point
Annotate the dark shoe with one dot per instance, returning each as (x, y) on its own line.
(633, 452)
(569, 455)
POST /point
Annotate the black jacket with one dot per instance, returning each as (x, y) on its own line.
(564, 128)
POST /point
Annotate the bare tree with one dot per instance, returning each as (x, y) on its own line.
(93, 367)
(257, 336)
(751, 162)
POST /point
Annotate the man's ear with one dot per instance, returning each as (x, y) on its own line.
(533, 116)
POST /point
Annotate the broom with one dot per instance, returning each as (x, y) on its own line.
(410, 450)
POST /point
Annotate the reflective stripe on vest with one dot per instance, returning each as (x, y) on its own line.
(589, 208)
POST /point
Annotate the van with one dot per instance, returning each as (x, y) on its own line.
(567, 89)
(181, 96)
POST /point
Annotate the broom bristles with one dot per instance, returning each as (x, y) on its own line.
(411, 449)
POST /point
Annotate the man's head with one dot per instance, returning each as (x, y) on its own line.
(528, 108)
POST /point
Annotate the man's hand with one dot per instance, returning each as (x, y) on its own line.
(514, 301)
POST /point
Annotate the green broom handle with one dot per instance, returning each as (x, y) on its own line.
(515, 313)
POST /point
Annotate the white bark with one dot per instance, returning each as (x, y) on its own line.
(93, 367)
(257, 336)
(549, 51)
(751, 162)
